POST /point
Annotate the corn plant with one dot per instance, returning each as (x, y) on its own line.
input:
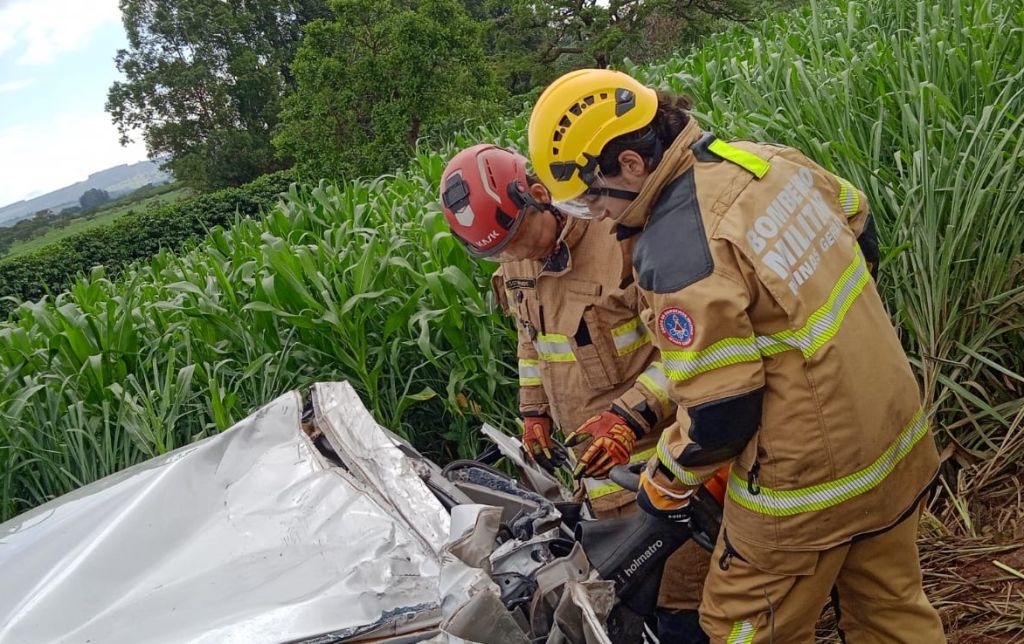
(920, 104)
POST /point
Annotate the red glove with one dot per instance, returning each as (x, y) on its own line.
(611, 442)
(537, 439)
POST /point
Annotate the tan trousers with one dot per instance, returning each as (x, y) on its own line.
(682, 583)
(878, 580)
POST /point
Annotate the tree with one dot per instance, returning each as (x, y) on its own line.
(204, 79)
(375, 79)
(93, 198)
(534, 42)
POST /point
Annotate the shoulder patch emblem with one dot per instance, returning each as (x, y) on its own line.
(677, 326)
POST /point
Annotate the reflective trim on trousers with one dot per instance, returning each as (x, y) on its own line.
(742, 633)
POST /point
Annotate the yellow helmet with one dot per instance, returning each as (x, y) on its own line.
(575, 117)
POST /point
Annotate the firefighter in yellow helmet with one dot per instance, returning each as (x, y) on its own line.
(583, 351)
(756, 263)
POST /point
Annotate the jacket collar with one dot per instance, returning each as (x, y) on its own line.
(678, 158)
(561, 260)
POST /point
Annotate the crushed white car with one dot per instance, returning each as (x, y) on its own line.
(308, 522)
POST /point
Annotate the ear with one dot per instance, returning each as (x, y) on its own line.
(540, 193)
(632, 164)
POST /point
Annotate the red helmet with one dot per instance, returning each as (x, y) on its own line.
(484, 191)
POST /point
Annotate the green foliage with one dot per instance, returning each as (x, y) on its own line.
(375, 79)
(72, 221)
(921, 105)
(532, 43)
(136, 236)
(93, 198)
(361, 282)
(918, 103)
(204, 82)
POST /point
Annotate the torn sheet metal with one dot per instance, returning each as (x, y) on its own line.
(532, 474)
(472, 607)
(248, 536)
(373, 457)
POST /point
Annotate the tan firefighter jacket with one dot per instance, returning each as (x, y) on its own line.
(582, 346)
(777, 347)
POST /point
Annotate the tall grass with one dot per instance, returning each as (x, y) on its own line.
(919, 103)
(360, 282)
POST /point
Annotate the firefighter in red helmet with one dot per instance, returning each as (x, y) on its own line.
(585, 356)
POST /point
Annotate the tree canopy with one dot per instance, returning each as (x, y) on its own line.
(203, 82)
(93, 198)
(229, 91)
(375, 78)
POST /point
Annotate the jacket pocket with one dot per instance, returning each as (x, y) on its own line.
(597, 366)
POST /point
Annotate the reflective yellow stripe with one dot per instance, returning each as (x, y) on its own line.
(742, 633)
(683, 365)
(656, 381)
(596, 489)
(849, 198)
(820, 327)
(749, 161)
(529, 372)
(783, 503)
(553, 347)
(686, 477)
(823, 323)
(630, 336)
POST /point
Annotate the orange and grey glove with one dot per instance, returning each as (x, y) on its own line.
(662, 499)
(537, 440)
(610, 440)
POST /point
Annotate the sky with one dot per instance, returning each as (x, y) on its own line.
(56, 64)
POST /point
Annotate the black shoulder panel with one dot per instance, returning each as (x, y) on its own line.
(720, 429)
(701, 151)
(673, 251)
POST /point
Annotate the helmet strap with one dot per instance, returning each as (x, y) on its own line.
(626, 195)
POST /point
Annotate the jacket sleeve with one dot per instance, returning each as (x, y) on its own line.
(714, 373)
(854, 204)
(533, 401)
(647, 405)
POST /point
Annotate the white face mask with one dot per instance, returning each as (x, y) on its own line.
(575, 208)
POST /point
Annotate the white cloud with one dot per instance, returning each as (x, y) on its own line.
(15, 85)
(40, 157)
(37, 31)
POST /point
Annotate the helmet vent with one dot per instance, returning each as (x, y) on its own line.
(589, 100)
(558, 135)
(576, 109)
(565, 122)
(490, 175)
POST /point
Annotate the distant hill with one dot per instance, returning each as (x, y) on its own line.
(118, 180)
